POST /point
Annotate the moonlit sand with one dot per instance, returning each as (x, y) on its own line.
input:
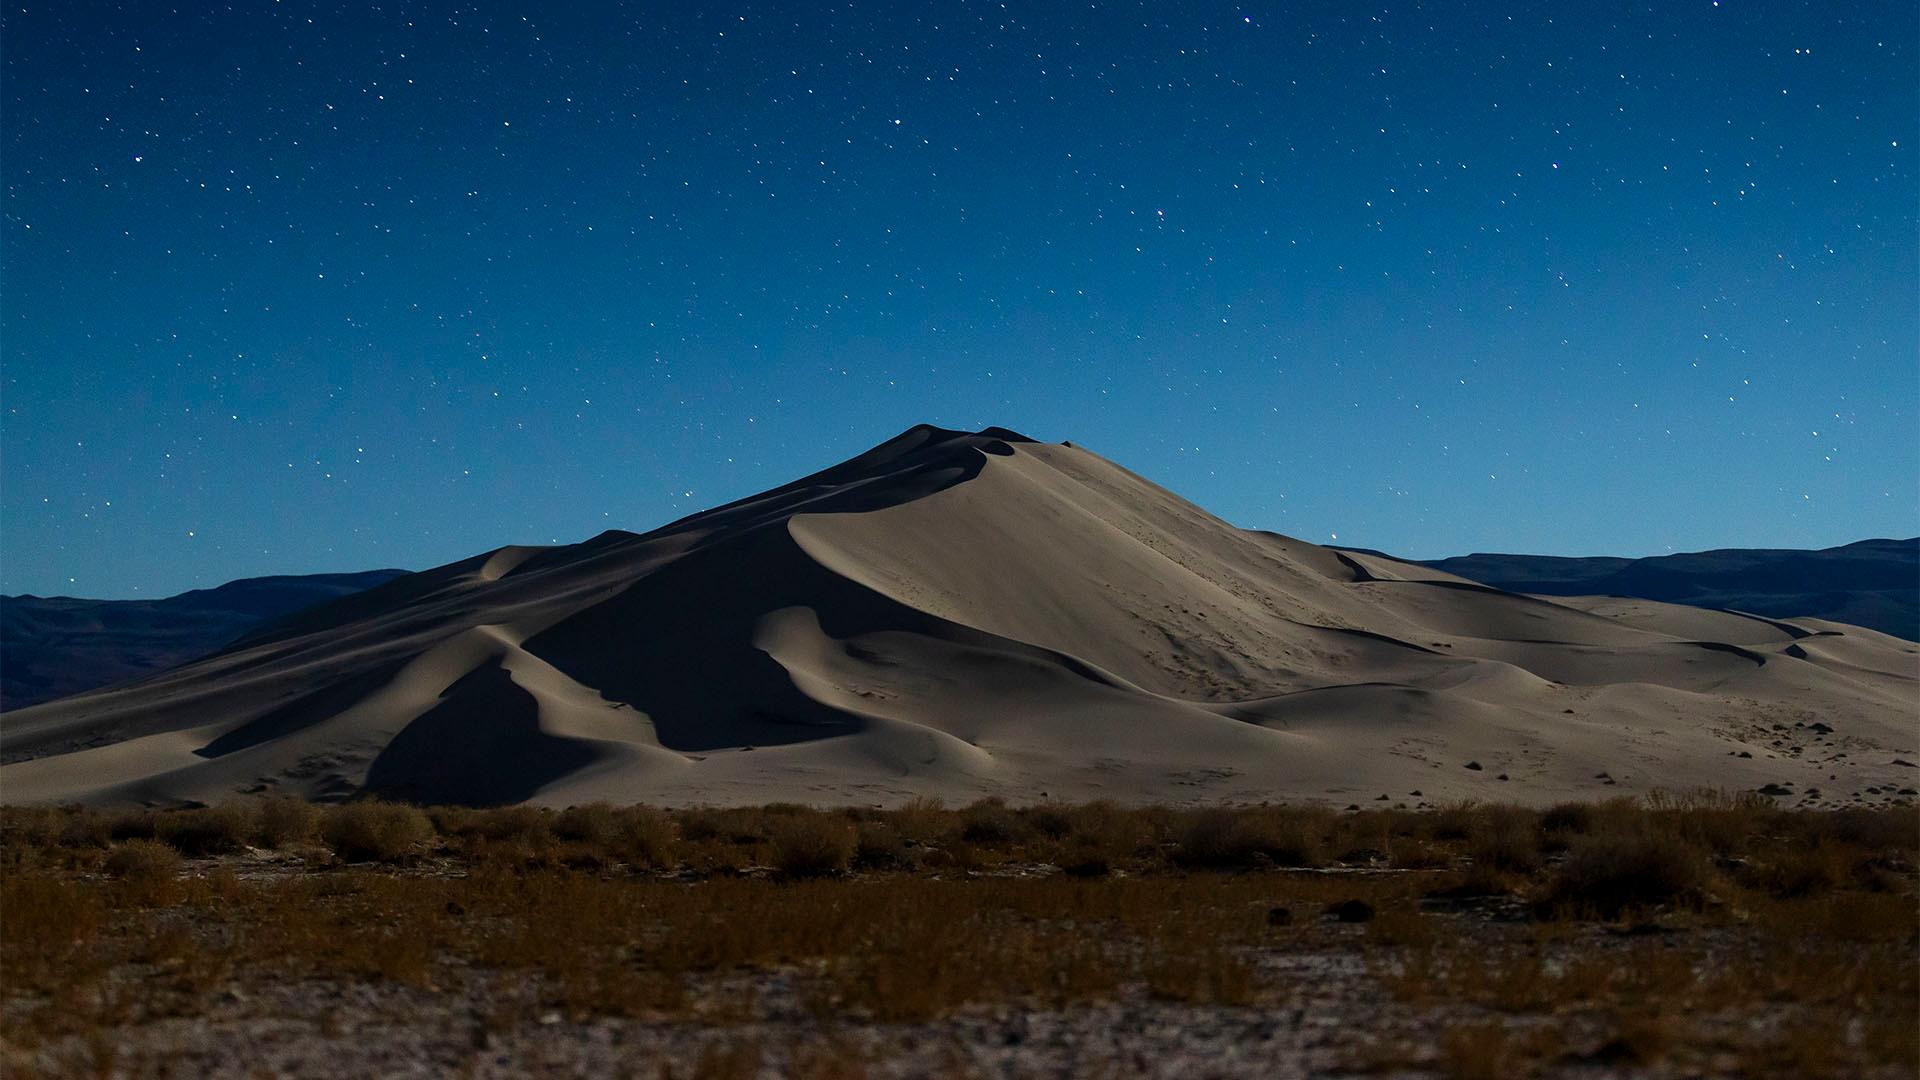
(964, 615)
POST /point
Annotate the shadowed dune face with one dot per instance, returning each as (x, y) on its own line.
(961, 614)
(482, 745)
(699, 616)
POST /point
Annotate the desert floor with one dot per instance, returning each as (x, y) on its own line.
(1703, 936)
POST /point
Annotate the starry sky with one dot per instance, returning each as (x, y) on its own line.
(297, 287)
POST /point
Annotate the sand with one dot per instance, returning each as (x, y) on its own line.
(971, 614)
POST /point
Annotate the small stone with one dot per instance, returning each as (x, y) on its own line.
(1774, 790)
(1502, 776)
(1474, 766)
(1351, 911)
(1092, 866)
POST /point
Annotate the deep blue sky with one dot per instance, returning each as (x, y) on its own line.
(294, 287)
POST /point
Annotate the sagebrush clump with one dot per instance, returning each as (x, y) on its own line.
(142, 862)
(812, 846)
(1613, 872)
(375, 831)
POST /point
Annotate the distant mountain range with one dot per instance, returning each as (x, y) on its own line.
(1874, 583)
(52, 646)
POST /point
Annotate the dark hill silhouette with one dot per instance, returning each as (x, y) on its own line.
(53, 646)
(1872, 583)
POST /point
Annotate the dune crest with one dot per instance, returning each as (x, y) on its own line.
(964, 614)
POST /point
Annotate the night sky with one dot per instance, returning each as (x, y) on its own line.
(292, 287)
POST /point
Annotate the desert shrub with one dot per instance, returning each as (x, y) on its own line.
(26, 833)
(1222, 838)
(1720, 821)
(1109, 829)
(922, 821)
(143, 860)
(1051, 820)
(990, 823)
(134, 824)
(595, 824)
(646, 836)
(1410, 854)
(1456, 821)
(1504, 839)
(811, 846)
(283, 822)
(1611, 872)
(215, 830)
(1481, 879)
(1214, 838)
(1796, 872)
(455, 821)
(1084, 860)
(525, 824)
(87, 829)
(746, 826)
(1861, 918)
(1361, 836)
(46, 917)
(741, 827)
(1877, 829)
(1568, 817)
(375, 831)
(523, 827)
(699, 825)
(878, 847)
(1707, 798)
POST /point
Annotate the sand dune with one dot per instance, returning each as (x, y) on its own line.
(961, 615)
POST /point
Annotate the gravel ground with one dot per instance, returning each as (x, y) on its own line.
(1337, 1020)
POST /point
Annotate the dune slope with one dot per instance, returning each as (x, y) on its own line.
(966, 614)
